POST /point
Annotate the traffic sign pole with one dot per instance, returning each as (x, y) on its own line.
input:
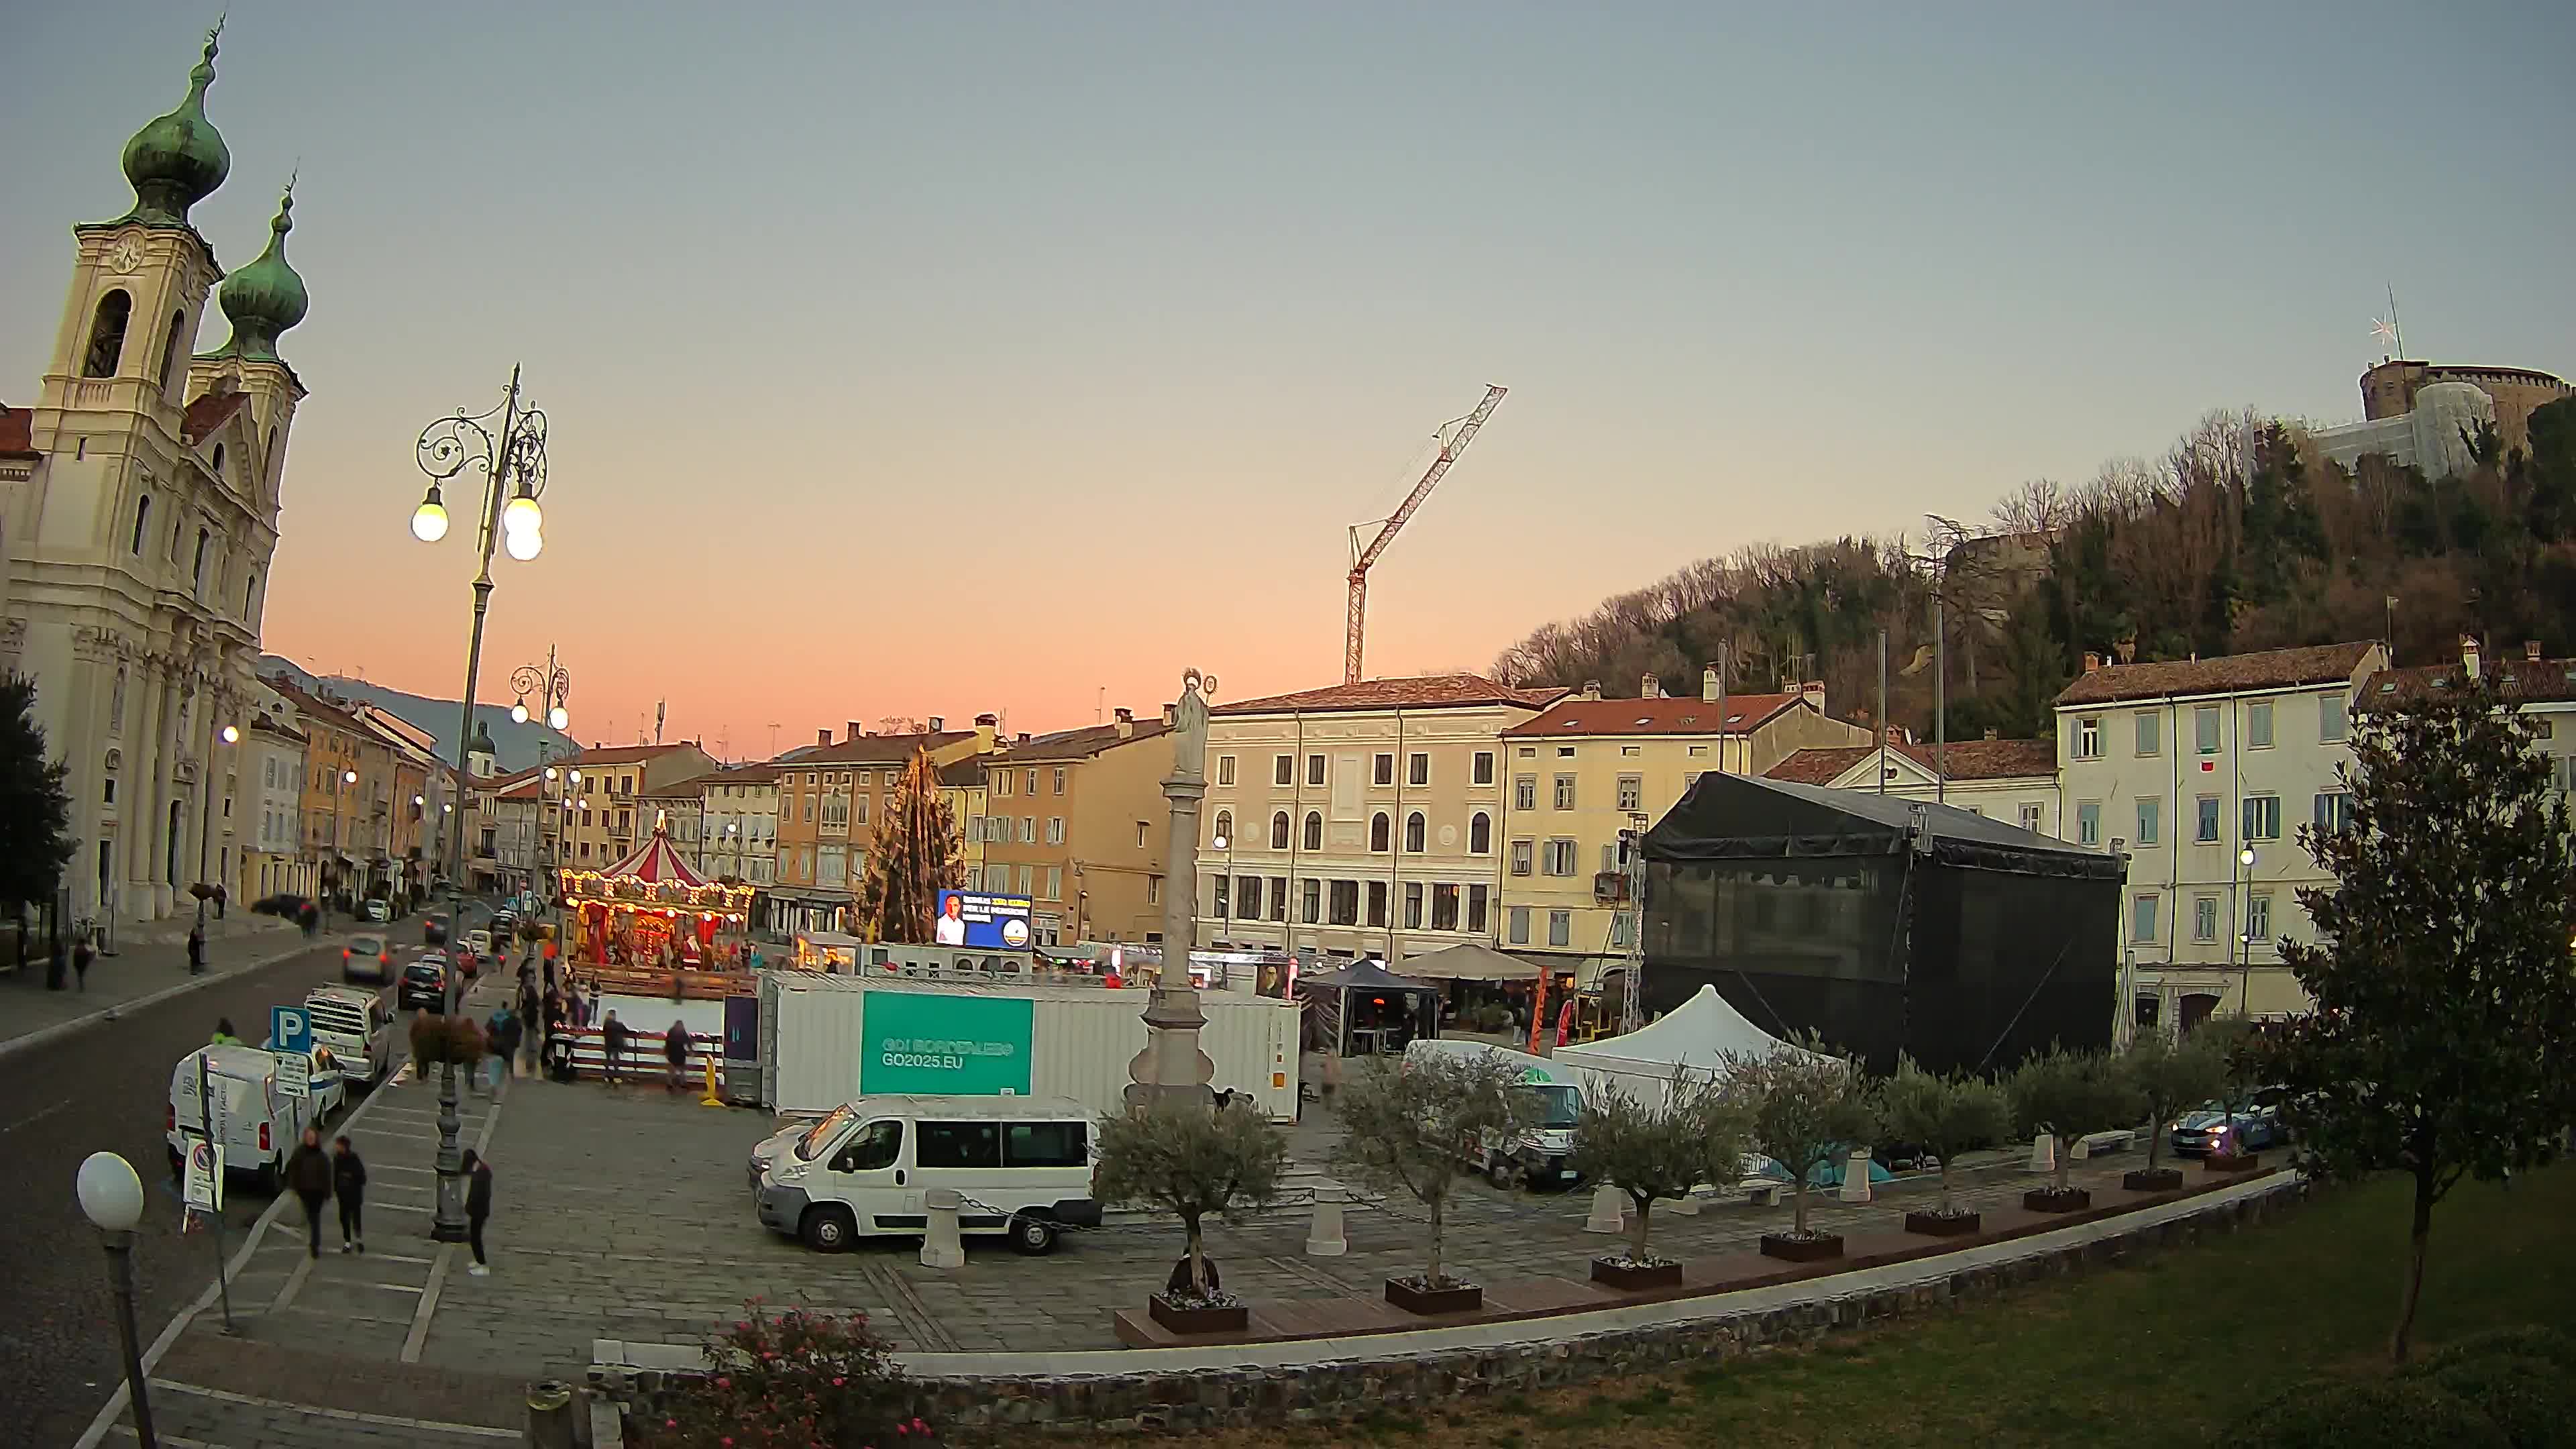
(206, 1124)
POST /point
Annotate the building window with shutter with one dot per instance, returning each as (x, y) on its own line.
(1560, 928)
(1565, 792)
(2262, 817)
(1522, 850)
(1525, 792)
(1516, 925)
(1225, 769)
(2258, 725)
(2088, 738)
(1632, 793)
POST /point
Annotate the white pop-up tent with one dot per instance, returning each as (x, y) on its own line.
(1697, 1037)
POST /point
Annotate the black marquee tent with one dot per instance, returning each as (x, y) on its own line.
(1364, 1009)
(1888, 925)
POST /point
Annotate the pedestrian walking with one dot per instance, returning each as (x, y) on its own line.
(581, 1008)
(308, 1174)
(503, 1030)
(612, 1037)
(196, 950)
(349, 1185)
(223, 1033)
(675, 1050)
(83, 953)
(478, 1206)
(531, 1020)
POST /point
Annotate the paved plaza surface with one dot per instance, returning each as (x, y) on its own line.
(623, 1213)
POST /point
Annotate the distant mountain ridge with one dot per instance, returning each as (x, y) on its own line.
(516, 746)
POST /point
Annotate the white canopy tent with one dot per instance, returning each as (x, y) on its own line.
(1696, 1037)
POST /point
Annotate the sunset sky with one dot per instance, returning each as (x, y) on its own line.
(946, 358)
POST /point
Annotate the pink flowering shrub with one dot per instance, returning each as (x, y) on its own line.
(796, 1380)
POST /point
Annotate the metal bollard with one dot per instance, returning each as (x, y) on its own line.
(550, 1414)
(940, 1245)
(1325, 1239)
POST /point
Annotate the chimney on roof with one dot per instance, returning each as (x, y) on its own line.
(1024, 737)
(823, 736)
(1592, 689)
(1992, 733)
(2092, 662)
(1650, 688)
(1708, 685)
(1813, 691)
(854, 731)
(1169, 716)
(939, 724)
(2469, 656)
(2531, 650)
(1126, 722)
(994, 720)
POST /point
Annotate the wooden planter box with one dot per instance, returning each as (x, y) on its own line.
(2050, 1200)
(2152, 1179)
(1234, 1318)
(1943, 1225)
(2232, 1162)
(1456, 1298)
(1802, 1250)
(1630, 1278)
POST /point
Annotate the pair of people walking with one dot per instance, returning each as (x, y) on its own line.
(317, 1178)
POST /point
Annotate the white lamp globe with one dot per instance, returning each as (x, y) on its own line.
(348, 777)
(232, 736)
(524, 544)
(111, 1196)
(429, 520)
(559, 717)
(522, 515)
(519, 712)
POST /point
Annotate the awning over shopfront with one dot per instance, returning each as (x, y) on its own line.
(1470, 961)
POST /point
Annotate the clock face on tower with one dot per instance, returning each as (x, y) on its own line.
(125, 256)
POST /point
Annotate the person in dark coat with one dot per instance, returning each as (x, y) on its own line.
(308, 1174)
(502, 1031)
(349, 1185)
(612, 1037)
(83, 953)
(675, 1050)
(196, 950)
(531, 1018)
(478, 1206)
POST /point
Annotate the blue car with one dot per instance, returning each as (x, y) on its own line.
(2251, 1128)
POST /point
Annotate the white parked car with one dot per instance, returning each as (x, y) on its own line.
(479, 941)
(1022, 1164)
(379, 911)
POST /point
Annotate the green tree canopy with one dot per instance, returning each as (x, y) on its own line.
(1696, 1134)
(1945, 1116)
(35, 808)
(2071, 1095)
(1413, 1127)
(1190, 1160)
(1806, 1106)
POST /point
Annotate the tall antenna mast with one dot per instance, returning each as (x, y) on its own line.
(2387, 329)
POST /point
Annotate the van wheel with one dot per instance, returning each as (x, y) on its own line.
(828, 1229)
(1503, 1173)
(1033, 1236)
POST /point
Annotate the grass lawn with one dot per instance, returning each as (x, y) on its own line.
(2167, 1352)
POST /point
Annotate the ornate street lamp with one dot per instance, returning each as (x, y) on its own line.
(111, 1197)
(513, 464)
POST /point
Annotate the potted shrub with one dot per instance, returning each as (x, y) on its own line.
(1944, 1116)
(1191, 1160)
(1651, 1152)
(794, 1377)
(436, 1039)
(2068, 1095)
(2169, 1079)
(1806, 1105)
(1416, 1126)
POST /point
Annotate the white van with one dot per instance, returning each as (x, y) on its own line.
(1544, 1154)
(1022, 1164)
(357, 1028)
(256, 1123)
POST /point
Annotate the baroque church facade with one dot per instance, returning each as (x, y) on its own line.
(141, 506)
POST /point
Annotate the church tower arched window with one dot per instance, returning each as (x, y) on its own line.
(170, 350)
(107, 334)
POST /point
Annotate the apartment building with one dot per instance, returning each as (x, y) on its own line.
(2014, 781)
(272, 827)
(347, 796)
(2202, 770)
(2543, 689)
(962, 788)
(1076, 821)
(508, 848)
(600, 823)
(1359, 819)
(830, 798)
(741, 816)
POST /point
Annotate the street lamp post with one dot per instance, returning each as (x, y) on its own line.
(2245, 936)
(111, 1197)
(514, 476)
(339, 847)
(206, 811)
(1233, 905)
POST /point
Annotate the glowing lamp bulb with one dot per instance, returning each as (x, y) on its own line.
(522, 515)
(525, 544)
(231, 735)
(519, 713)
(429, 520)
(559, 717)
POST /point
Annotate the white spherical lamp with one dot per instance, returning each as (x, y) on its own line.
(429, 520)
(559, 717)
(519, 712)
(111, 1196)
(524, 544)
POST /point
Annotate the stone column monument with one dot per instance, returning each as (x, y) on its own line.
(1171, 1067)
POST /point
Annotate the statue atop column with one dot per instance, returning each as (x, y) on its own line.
(1171, 1067)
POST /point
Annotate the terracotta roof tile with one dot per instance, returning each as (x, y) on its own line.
(1689, 716)
(870, 750)
(2539, 681)
(1429, 691)
(2226, 674)
(1080, 744)
(621, 754)
(209, 412)
(1969, 760)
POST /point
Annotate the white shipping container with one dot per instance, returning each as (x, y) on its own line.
(1082, 1040)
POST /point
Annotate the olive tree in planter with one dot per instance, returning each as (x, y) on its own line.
(1806, 1105)
(1945, 1116)
(2069, 1095)
(2170, 1079)
(1190, 1160)
(1415, 1128)
(2240, 1070)
(1650, 1152)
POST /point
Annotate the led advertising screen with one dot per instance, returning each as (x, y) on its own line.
(985, 922)
(945, 1046)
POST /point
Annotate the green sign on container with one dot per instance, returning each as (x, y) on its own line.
(930, 1045)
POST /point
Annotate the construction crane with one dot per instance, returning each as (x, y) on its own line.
(1454, 438)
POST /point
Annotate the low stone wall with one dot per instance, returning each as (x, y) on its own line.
(1010, 1406)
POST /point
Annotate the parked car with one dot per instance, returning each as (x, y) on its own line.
(424, 984)
(378, 911)
(2211, 1128)
(479, 942)
(285, 904)
(367, 957)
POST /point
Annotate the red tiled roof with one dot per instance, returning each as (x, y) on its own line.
(1430, 691)
(340, 713)
(622, 754)
(1691, 716)
(2226, 674)
(1969, 760)
(209, 412)
(2534, 680)
(17, 432)
(871, 750)
(1080, 744)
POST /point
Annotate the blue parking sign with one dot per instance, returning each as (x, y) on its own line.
(290, 1029)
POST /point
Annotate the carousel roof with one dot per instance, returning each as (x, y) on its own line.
(656, 863)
